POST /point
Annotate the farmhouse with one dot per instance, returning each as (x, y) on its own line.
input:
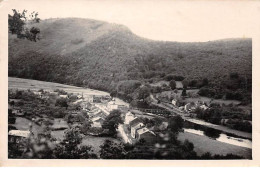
(146, 134)
(112, 106)
(135, 127)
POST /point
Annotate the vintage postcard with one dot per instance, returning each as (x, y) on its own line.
(129, 83)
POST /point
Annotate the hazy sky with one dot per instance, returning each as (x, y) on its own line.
(158, 20)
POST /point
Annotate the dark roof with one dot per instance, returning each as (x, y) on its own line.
(135, 121)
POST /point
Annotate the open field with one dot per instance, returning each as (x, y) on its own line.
(24, 84)
(96, 142)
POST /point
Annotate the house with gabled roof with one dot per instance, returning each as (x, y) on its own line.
(128, 118)
(135, 121)
(97, 121)
(146, 134)
(135, 127)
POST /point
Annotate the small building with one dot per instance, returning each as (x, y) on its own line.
(79, 96)
(204, 107)
(98, 114)
(97, 121)
(135, 127)
(129, 117)
(146, 134)
(106, 97)
(86, 106)
(37, 93)
(64, 96)
(163, 126)
(18, 112)
(224, 121)
(94, 112)
(46, 97)
(97, 99)
(135, 121)
(174, 102)
(112, 106)
(78, 101)
(52, 93)
(190, 107)
(16, 136)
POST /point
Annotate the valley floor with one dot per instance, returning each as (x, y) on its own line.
(202, 144)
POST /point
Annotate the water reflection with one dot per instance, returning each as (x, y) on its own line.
(212, 133)
(216, 135)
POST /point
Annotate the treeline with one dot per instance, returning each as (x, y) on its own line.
(234, 87)
(230, 116)
(120, 55)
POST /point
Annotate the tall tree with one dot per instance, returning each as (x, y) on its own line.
(112, 121)
(112, 150)
(183, 93)
(143, 93)
(69, 147)
(19, 22)
(172, 84)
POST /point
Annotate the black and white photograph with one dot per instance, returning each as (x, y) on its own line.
(130, 80)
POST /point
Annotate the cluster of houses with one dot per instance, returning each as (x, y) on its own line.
(97, 116)
(137, 129)
(98, 98)
(99, 112)
(192, 106)
(113, 106)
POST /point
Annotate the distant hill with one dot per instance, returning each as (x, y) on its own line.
(98, 54)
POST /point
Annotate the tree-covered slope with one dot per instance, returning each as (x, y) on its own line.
(99, 55)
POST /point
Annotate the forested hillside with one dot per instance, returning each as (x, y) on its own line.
(99, 55)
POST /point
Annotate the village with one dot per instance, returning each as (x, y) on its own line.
(52, 113)
(93, 109)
